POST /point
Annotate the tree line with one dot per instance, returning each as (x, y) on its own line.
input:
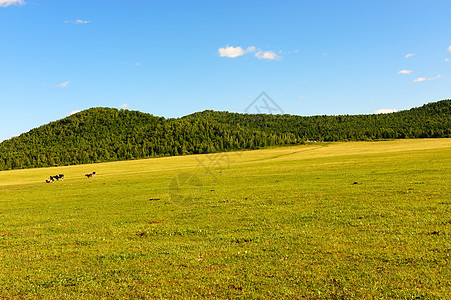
(107, 134)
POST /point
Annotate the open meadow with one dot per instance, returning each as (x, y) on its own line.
(342, 220)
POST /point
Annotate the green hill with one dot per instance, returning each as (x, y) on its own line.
(107, 134)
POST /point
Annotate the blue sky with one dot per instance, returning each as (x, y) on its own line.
(172, 58)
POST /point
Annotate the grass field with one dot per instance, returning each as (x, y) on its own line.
(320, 221)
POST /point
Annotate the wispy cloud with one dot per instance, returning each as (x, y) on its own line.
(78, 21)
(63, 84)
(405, 72)
(303, 81)
(251, 49)
(288, 52)
(73, 112)
(138, 64)
(409, 55)
(6, 3)
(420, 79)
(270, 55)
(449, 48)
(434, 78)
(300, 97)
(385, 111)
(232, 52)
(123, 106)
(447, 59)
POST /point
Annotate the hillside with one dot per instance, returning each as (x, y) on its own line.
(107, 134)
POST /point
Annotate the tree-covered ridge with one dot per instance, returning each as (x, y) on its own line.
(107, 134)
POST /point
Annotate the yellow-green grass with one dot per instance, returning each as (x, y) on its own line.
(273, 223)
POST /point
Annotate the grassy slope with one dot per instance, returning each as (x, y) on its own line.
(265, 224)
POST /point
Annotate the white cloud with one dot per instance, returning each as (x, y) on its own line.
(405, 72)
(447, 59)
(6, 3)
(231, 51)
(420, 79)
(73, 112)
(385, 111)
(138, 64)
(63, 84)
(271, 55)
(300, 97)
(409, 55)
(78, 21)
(123, 106)
(449, 48)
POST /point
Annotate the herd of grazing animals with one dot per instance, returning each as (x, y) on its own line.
(61, 176)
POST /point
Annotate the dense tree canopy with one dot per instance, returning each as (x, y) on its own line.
(106, 134)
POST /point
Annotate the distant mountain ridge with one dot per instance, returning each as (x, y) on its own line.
(108, 134)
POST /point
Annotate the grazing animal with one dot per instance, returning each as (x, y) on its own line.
(57, 177)
(90, 175)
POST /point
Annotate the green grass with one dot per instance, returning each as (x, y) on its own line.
(267, 224)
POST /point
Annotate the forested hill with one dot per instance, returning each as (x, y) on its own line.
(107, 134)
